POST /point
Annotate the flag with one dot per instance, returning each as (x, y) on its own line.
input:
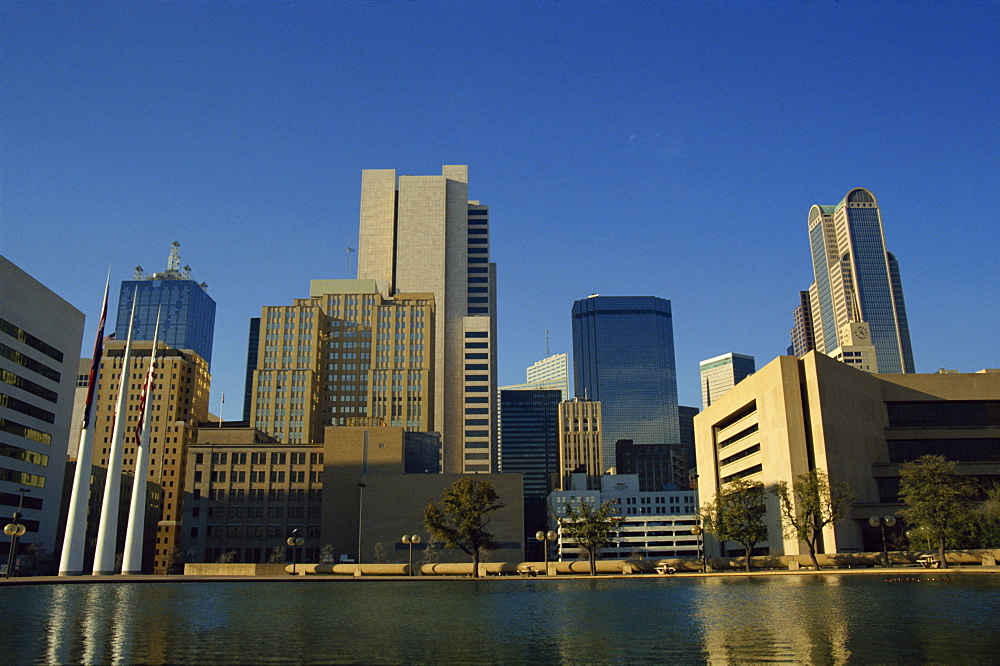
(147, 386)
(95, 363)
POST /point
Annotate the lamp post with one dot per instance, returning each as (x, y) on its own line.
(883, 522)
(294, 541)
(361, 503)
(545, 537)
(410, 540)
(15, 530)
(699, 533)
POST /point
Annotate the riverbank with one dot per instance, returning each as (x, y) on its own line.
(887, 573)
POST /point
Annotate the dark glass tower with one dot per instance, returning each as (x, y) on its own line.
(529, 445)
(187, 312)
(623, 355)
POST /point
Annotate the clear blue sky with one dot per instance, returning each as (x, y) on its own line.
(625, 148)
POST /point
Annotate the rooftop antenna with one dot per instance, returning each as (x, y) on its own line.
(547, 353)
(350, 251)
(138, 274)
(174, 260)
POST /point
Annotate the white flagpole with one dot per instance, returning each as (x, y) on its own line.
(107, 532)
(132, 562)
(74, 542)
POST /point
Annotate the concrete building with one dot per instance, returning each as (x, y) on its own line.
(346, 354)
(580, 442)
(721, 373)
(178, 403)
(422, 234)
(657, 466)
(40, 336)
(856, 280)
(652, 524)
(187, 312)
(794, 415)
(623, 356)
(549, 373)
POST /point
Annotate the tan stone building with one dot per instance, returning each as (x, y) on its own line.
(247, 492)
(422, 234)
(580, 442)
(346, 354)
(178, 403)
(794, 415)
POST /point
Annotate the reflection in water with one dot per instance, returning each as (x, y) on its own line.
(809, 619)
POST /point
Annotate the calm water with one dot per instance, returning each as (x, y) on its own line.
(950, 618)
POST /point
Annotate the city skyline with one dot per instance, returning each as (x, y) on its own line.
(682, 180)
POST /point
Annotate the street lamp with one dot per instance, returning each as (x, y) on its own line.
(361, 502)
(699, 532)
(410, 540)
(15, 530)
(545, 537)
(293, 541)
(883, 522)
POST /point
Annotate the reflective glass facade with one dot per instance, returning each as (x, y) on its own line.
(623, 355)
(187, 314)
(529, 436)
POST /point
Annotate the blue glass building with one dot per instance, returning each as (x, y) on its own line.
(187, 312)
(857, 280)
(623, 355)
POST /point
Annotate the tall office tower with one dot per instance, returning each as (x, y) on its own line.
(722, 373)
(187, 312)
(178, 403)
(423, 235)
(857, 280)
(580, 442)
(347, 355)
(40, 336)
(549, 373)
(253, 346)
(803, 340)
(623, 356)
(529, 435)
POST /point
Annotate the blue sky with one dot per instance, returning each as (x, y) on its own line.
(625, 148)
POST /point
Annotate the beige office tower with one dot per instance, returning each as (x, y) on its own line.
(178, 403)
(580, 442)
(346, 355)
(421, 234)
(856, 348)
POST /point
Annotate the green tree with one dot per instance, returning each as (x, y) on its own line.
(737, 514)
(812, 503)
(589, 527)
(381, 556)
(987, 519)
(463, 516)
(936, 497)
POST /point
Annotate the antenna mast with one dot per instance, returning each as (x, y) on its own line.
(547, 353)
(174, 260)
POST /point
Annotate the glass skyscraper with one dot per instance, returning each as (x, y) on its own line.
(623, 355)
(856, 280)
(187, 312)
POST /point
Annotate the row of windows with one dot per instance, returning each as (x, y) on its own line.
(14, 428)
(27, 385)
(29, 363)
(27, 338)
(18, 453)
(10, 402)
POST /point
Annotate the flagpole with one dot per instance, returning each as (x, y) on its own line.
(107, 532)
(132, 562)
(74, 541)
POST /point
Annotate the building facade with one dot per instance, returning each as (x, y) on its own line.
(346, 354)
(650, 525)
(187, 312)
(722, 373)
(794, 415)
(623, 356)
(856, 280)
(550, 373)
(422, 234)
(40, 336)
(580, 438)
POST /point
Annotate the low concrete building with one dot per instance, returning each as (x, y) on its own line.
(794, 415)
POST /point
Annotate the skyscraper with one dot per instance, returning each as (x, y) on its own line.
(623, 356)
(580, 442)
(421, 234)
(550, 373)
(187, 312)
(856, 280)
(722, 373)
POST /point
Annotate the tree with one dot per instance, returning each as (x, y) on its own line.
(987, 519)
(737, 514)
(381, 556)
(935, 496)
(812, 503)
(277, 555)
(462, 517)
(590, 528)
(227, 557)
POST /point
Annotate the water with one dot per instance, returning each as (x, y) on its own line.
(807, 619)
